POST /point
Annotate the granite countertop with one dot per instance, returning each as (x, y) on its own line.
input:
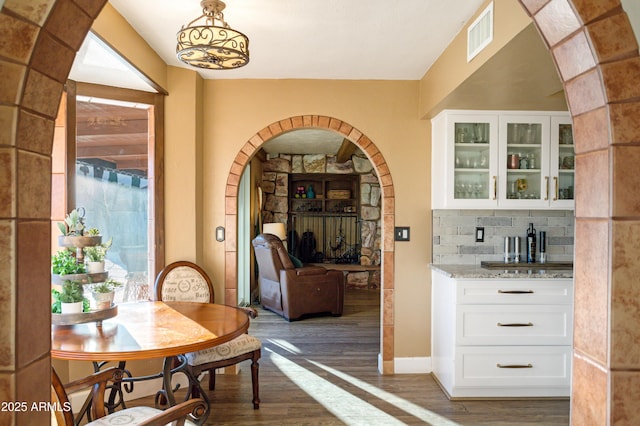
(476, 271)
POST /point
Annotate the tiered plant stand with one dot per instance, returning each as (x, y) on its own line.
(97, 316)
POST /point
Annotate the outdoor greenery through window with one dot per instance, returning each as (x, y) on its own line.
(112, 184)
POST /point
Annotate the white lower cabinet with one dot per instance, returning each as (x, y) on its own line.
(502, 338)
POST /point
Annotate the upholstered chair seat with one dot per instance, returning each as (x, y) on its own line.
(238, 346)
(130, 417)
(187, 282)
(182, 413)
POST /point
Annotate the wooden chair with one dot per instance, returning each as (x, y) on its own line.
(142, 415)
(187, 282)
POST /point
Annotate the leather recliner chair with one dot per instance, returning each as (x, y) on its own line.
(293, 292)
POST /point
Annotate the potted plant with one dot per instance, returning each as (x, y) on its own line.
(64, 263)
(73, 224)
(73, 231)
(94, 256)
(104, 292)
(70, 300)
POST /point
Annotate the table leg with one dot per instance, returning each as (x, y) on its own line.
(169, 368)
(166, 380)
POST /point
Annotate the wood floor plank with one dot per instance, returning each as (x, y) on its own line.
(323, 371)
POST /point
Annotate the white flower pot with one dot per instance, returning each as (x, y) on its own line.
(95, 267)
(71, 308)
(103, 300)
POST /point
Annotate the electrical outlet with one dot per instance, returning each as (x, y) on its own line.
(479, 234)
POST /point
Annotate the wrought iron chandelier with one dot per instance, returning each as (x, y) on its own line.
(212, 46)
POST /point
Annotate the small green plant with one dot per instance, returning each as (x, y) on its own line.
(74, 223)
(107, 286)
(97, 253)
(72, 291)
(64, 263)
(93, 232)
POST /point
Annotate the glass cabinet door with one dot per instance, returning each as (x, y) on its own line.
(562, 172)
(473, 161)
(524, 154)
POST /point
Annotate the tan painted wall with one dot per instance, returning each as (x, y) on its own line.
(451, 68)
(183, 166)
(386, 113)
(114, 29)
(200, 148)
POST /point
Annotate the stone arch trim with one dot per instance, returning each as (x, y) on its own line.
(596, 52)
(388, 212)
(38, 50)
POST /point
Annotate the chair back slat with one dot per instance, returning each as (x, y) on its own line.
(64, 416)
(184, 282)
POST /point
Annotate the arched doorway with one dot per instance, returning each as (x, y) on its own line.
(388, 213)
(596, 53)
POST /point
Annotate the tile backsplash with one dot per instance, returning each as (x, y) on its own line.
(454, 233)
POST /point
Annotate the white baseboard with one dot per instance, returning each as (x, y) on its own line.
(412, 365)
(409, 365)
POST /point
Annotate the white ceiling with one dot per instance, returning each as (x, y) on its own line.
(305, 141)
(294, 39)
(311, 39)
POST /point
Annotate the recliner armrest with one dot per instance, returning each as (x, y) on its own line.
(310, 270)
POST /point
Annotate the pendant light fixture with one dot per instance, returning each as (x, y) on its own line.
(212, 44)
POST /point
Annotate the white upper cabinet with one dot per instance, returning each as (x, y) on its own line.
(524, 156)
(562, 173)
(465, 160)
(502, 159)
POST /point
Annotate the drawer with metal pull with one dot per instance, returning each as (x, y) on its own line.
(520, 367)
(514, 325)
(520, 292)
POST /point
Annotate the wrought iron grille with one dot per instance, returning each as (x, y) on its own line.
(331, 238)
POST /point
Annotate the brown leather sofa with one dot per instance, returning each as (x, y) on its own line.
(294, 292)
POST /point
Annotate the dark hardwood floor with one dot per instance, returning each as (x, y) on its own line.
(323, 371)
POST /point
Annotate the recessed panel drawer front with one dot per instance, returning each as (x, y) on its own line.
(521, 366)
(514, 325)
(516, 291)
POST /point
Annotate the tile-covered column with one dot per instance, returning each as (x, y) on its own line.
(38, 50)
(597, 56)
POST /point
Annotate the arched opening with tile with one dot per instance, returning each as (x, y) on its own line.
(388, 212)
(592, 43)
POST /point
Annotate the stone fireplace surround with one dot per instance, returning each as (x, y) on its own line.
(275, 184)
(596, 53)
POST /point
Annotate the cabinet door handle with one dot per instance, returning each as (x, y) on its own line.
(495, 187)
(555, 179)
(514, 366)
(515, 291)
(546, 184)
(516, 324)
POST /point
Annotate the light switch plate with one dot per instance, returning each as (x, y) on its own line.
(403, 233)
(479, 234)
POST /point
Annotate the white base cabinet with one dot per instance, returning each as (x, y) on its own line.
(502, 338)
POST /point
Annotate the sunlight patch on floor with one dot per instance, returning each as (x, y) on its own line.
(348, 408)
(409, 407)
(289, 347)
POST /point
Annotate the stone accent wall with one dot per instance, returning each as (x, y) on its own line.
(454, 233)
(275, 187)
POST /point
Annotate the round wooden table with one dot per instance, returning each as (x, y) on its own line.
(146, 330)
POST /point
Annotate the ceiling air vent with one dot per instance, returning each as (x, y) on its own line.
(480, 32)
